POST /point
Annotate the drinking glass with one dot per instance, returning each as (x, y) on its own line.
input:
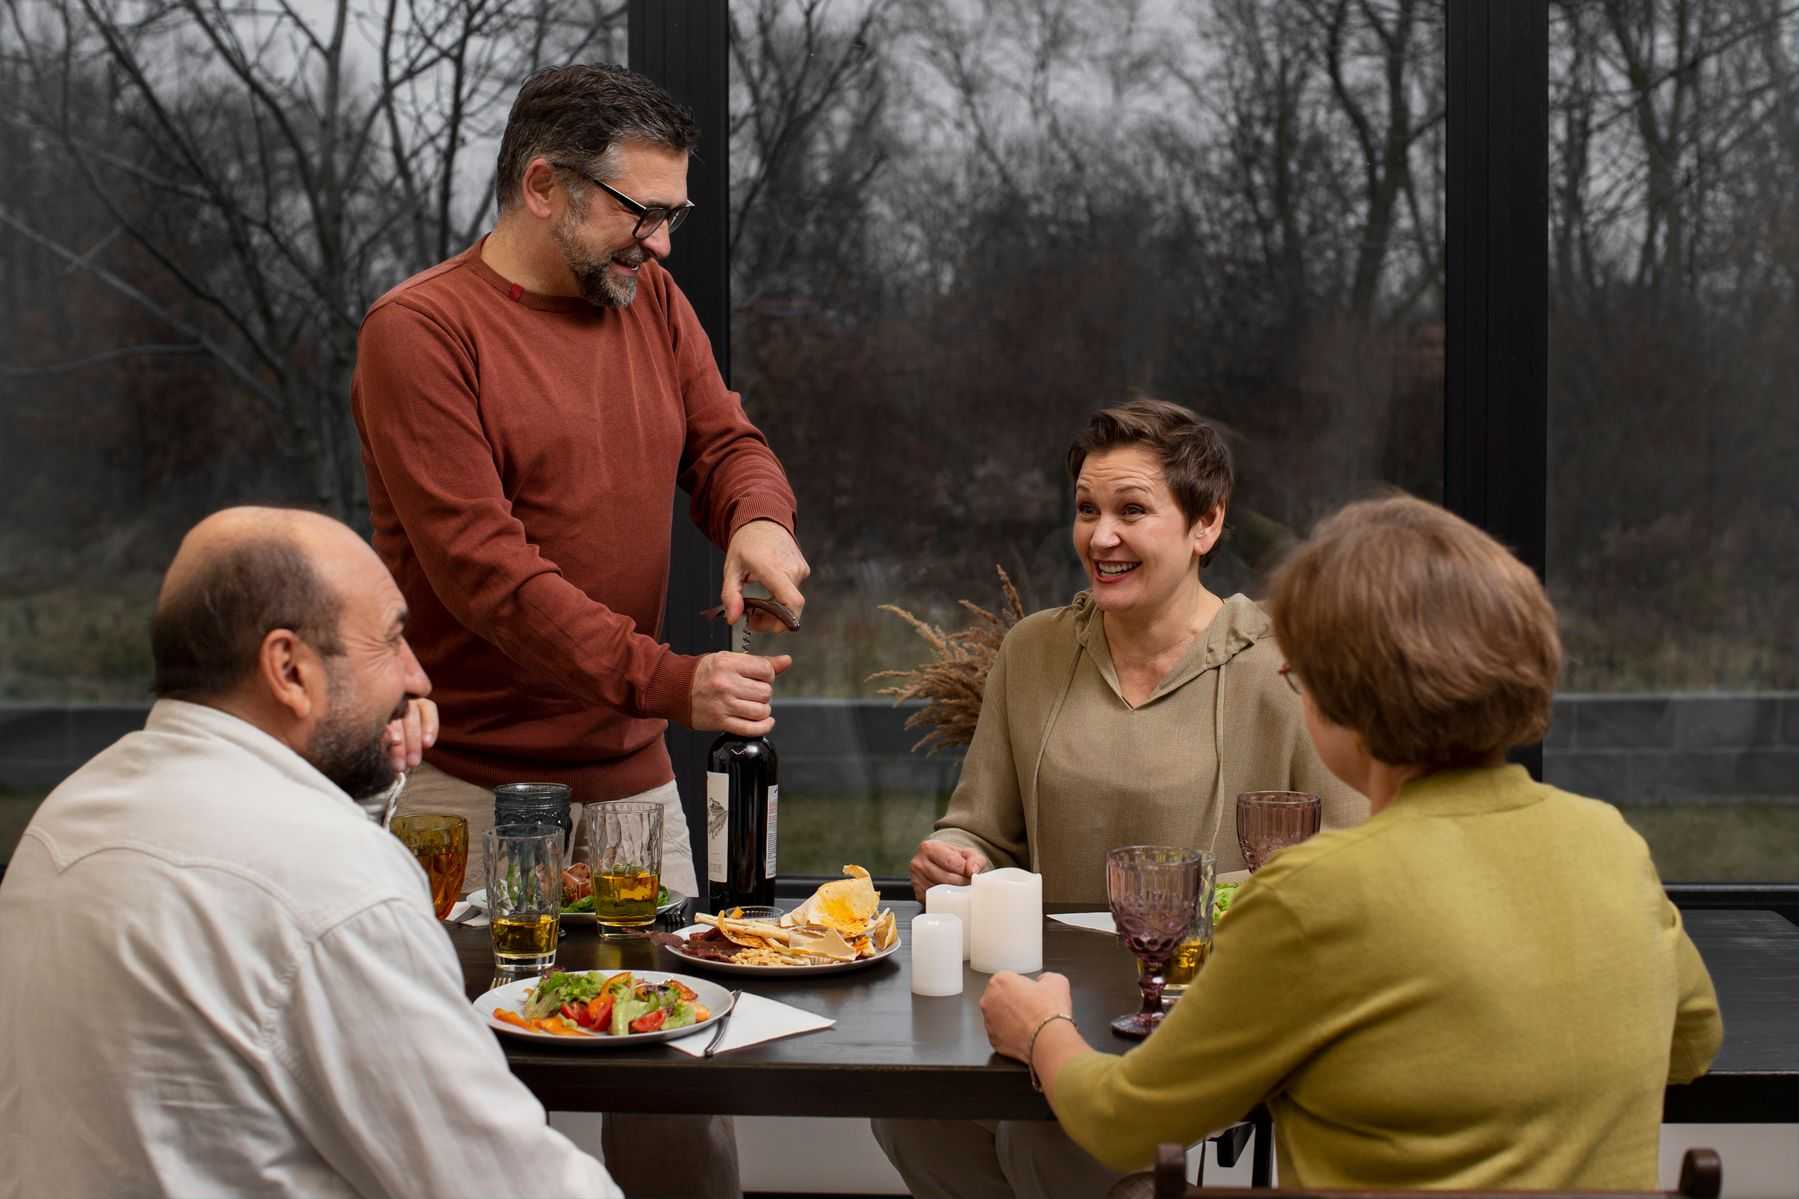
(1184, 964)
(1153, 890)
(524, 894)
(623, 840)
(534, 803)
(439, 840)
(1271, 820)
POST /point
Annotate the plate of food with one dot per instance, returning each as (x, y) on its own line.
(604, 1008)
(577, 896)
(841, 927)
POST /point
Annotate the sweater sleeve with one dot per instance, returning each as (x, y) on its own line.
(416, 403)
(1249, 1020)
(986, 811)
(1698, 1027)
(726, 465)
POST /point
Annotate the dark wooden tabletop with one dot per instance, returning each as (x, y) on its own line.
(895, 1054)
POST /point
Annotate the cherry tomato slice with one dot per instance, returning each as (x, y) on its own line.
(599, 1012)
(649, 1021)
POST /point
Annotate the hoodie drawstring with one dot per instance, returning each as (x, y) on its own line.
(1218, 756)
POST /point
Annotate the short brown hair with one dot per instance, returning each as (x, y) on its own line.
(1195, 461)
(580, 112)
(206, 635)
(1418, 631)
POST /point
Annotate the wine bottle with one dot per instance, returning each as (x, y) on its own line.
(743, 792)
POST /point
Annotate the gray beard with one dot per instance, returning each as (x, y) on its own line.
(356, 761)
(593, 275)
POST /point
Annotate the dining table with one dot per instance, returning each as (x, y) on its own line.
(892, 1053)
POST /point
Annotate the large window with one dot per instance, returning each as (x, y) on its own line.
(1674, 423)
(198, 204)
(957, 229)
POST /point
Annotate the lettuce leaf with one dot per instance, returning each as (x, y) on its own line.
(560, 988)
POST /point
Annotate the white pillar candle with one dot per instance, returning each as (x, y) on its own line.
(1008, 922)
(946, 899)
(936, 955)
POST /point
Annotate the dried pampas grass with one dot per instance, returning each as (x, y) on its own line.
(953, 681)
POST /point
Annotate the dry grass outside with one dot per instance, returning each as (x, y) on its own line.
(1747, 842)
(821, 831)
(78, 644)
(16, 808)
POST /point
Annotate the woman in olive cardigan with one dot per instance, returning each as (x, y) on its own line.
(1484, 986)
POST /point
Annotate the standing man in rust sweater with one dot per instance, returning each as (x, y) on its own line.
(527, 410)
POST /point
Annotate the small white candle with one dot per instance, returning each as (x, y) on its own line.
(1008, 922)
(945, 899)
(936, 955)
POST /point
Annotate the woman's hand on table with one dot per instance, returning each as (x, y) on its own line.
(412, 734)
(1033, 1022)
(940, 862)
(1015, 1006)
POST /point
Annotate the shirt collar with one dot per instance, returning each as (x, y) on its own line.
(180, 718)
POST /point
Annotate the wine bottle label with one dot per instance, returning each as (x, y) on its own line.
(774, 800)
(718, 823)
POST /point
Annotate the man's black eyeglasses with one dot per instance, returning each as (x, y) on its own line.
(649, 218)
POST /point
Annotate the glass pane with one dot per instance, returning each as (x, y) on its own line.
(182, 294)
(1674, 425)
(960, 228)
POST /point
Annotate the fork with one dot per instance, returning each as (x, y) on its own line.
(718, 1034)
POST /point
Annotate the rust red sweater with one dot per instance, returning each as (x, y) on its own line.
(522, 454)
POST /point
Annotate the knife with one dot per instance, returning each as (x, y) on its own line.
(718, 1034)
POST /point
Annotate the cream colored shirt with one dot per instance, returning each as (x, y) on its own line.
(222, 980)
(1484, 986)
(1062, 769)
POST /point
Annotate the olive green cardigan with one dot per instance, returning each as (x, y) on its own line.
(1062, 768)
(1483, 986)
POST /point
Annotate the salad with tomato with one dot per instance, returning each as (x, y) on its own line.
(595, 1004)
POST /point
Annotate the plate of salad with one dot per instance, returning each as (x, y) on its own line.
(604, 1007)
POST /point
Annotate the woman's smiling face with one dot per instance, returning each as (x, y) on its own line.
(1134, 540)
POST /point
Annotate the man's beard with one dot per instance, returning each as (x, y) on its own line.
(346, 751)
(592, 272)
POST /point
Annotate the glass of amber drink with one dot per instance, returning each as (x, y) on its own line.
(1191, 954)
(624, 847)
(524, 895)
(439, 840)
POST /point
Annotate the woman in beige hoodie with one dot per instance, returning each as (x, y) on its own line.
(1135, 715)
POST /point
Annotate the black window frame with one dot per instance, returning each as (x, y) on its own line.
(1495, 393)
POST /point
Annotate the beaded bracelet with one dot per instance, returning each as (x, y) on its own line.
(1030, 1051)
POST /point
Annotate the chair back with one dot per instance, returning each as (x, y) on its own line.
(1701, 1177)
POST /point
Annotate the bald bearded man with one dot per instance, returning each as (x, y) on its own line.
(221, 978)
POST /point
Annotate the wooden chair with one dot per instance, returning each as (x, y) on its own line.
(1701, 1177)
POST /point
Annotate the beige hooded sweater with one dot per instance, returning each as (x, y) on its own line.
(1062, 769)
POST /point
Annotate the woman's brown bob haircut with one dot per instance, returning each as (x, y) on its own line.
(1411, 627)
(1195, 461)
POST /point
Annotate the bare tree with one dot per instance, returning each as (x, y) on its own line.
(288, 166)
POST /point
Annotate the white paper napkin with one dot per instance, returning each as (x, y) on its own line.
(756, 1020)
(460, 911)
(1099, 922)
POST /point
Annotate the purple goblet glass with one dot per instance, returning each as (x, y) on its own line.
(1152, 890)
(1271, 820)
